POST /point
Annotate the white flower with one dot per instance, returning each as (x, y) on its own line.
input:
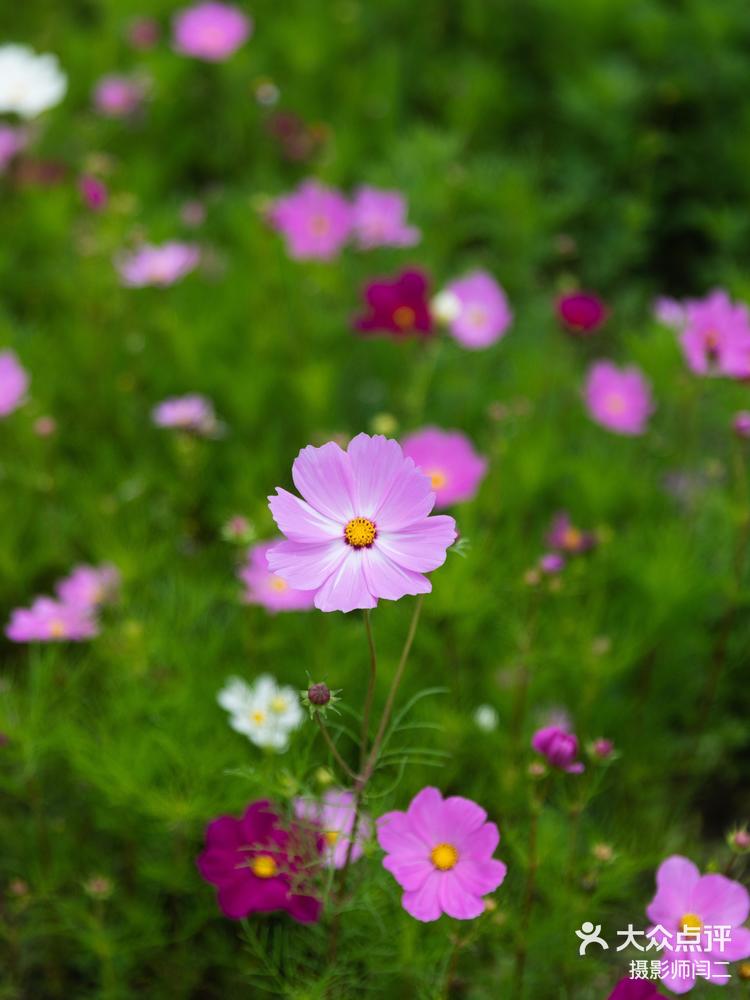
(446, 306)
(486, 718)
(263, 711)
(29, 83)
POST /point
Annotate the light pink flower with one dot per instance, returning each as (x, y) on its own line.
(211, 31)
(716, 336)
(51, 621)
(379, 219)
(187, 413)
(449, 460)
(440, 852)
(334, 818)
(14, 383)
(363, 530)
(158, 265)
(265, 588)
(315, 221)
(618, 398)
(481, 314)
(12, 142)
(690, 902)
(88, 587)
(669, 312)
(118, 96)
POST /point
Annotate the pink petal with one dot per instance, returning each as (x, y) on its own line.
(455, 901)
(304, 909)
(409, 499)
(678, 984)
(305, 566)
(425, 814)
(737, 948)
(421, 546)
(346, 588)
(237, 897)
(216, 863)
(463, 817)
(482, 843)
(410, 872)
(375, 462)
(422, 903)
(224, 832)
(675, 880)
(396, 835)
(299, 521)
(719, 900)
(387, 580)
(324, 478)
(480, 877)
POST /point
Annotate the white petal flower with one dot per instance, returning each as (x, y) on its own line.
(486, 717)
(263, 711)
(29, 83)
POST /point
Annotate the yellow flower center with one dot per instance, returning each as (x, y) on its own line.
(744, 970)
(615, 404)
(571, 538)
(276, 583)
(477, 316)
(258, 716)
(319, 225)
(444, 857)
(360, 532)
(264, 866)
(438, 479)
(278, 704)
(691, 923)
(57, 628)
(404, 317)
(331, 836)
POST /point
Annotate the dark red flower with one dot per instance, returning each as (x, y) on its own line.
(259, 865)
(399, 306)
(581, 312)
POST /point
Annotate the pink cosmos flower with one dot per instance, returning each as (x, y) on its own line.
(363, 530)
(315, 221)
(581, 312)
(690, 902)
(635, 989)
(741, 423)
(88, 587)
(265, 588)
(118, 96)
(210, 31)
(716, 336)
(559, 746)
(158, 265)
(397, 306)
(602, 749)
(564, 536)
(333, 818)
(379, 219)
(481, 314)
(669, 312)
(188, 413)
(618, 398)
(259, 866)
(440, 852)
(552, 563)
(94, 192)
(51, 621)
(14, 382)
(449, 460)
(12, 142)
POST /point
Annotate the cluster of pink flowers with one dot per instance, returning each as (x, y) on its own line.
(14, 383)
(70, 616)
(157, 265)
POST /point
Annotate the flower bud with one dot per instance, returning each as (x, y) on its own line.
(319, 694)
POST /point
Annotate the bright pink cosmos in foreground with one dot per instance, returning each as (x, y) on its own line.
(363, 530)
(188, 413)
(687, 900)
(482, 314)
(88, 587)
(51, 621)
(449, 460)
(333, 818)
(157, 265)
(211, 31)
(618, 398)
(258, 865)
(635, 989)
(397, 305)
(117, 96)
(14, 382)
(12, 141)
(715, 337)
(440, 852)
(559, 746)
(581, 312)
(379, 219)
(315, 221)
(265, 588)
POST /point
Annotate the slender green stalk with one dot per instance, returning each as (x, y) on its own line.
(370, 688)
(333, 748)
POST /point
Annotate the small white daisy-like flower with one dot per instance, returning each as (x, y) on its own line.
(486, 718)
(29, 83)
(264, 711)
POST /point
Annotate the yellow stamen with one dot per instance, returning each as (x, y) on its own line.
(691, 923)
(278, 704)
(438, 479)
(319, 225)
(57, 628)
(404, 317)
(571, 538)
(360, 532)
(444, 857)
(258, 716)
(615, 404)
(276, 583)
(264, 866)
(331, 836)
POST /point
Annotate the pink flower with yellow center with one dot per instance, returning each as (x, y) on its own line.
(618, 398)
(315, 221)
(266, 588)
(157, 265)
(480, 314)
(333, 818)
(379, 219)
(449, 460)
(211, 31)
(14, 383)
(48, 620)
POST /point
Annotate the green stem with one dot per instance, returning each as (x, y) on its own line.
(333, 749)
(370, 688)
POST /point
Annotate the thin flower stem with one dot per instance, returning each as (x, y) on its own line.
(332, 747)
(370, 689)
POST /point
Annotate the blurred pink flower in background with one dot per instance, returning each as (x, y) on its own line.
(440, 853)
(551, 563)
(475, 309)
(14, 383)
(118, 96)
(210, 31)
(143, 33)
(314, 220)
(564, 535)
(560, 748)
(363, 530)
(333, 818)
(741, 423)
(88, 587)
(397, 305)
(193, 213)
(379, 219)
(161, 265)
(45, 426)
(715, 336)
(581, 312)
(669, 312)
(265, 588)
(12, 142)
(192, 412)
(618, 398)
(449, 460)
(48, 620)
(94, 192)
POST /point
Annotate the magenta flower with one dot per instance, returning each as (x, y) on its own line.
(635, 989)
(741, 423)
(259, 866)
(450, 462)
(94, 192)
(397, 306)
(363, 530)
(559, 747)
(552, 563)
(51, 621)
(716, 336)
(690, 902)
(210, 31)
(602, 749)
(480, 314)
(157, 265)
(88, 587)
(315, 221)
(581, 312)
(564, 536)
(333, 819)
(440, 852)
(379, 219)
(118, 96)
(12, 142)
(14, 383)
(187, 413)
(618, 398)
(265, 588)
